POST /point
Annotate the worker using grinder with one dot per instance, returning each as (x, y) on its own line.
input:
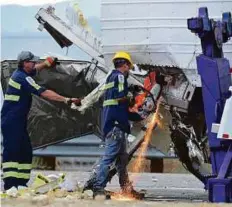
(115, 126)
(17, 149)
(143, 102)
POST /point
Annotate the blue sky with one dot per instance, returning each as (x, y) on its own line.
(21, 33)
(89, 7)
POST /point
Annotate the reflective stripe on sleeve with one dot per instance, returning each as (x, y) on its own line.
(33, 83)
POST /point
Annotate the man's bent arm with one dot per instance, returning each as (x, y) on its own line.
(40, 66)
(53, 96)
(46, 64)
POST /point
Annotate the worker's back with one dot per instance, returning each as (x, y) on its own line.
(115, 113)
(18, 96)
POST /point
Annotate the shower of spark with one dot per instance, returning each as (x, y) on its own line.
(139, 160)
(154, 122)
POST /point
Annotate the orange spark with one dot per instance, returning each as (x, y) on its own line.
(122, 197)
(140, 159)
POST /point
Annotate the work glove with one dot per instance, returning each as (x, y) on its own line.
(50, 61)
(76, 101)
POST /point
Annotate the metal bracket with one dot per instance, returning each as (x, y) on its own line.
(215, 128)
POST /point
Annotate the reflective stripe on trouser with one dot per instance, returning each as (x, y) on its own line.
(14, 174)
(17, 154)
(16, 165)
(115, 151)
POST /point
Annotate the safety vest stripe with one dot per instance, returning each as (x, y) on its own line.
(36, 86)
(120, 87)
(16, 175)
(110, 102)
(14, 84)
(24, 166)
(11, 97)
(32, 83)
(10, 165)
(108, 85)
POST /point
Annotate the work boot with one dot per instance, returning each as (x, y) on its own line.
(89, 184)
(101, 194)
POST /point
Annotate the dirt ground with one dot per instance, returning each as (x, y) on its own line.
(74, 202)
(162, 190)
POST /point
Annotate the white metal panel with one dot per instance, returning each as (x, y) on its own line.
(89, 43)
(155, 31)
(226, 121)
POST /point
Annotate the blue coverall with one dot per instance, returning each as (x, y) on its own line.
(17, 149)
(116, 126)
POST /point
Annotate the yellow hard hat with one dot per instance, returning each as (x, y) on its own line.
(123, 55)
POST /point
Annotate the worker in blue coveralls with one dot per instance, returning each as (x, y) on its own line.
(116, 126)
(17, 149)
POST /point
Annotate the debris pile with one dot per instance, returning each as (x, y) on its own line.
(45, 189)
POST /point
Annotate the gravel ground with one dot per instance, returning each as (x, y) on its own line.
(161, 190)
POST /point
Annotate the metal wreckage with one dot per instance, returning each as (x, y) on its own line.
(154, 48)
